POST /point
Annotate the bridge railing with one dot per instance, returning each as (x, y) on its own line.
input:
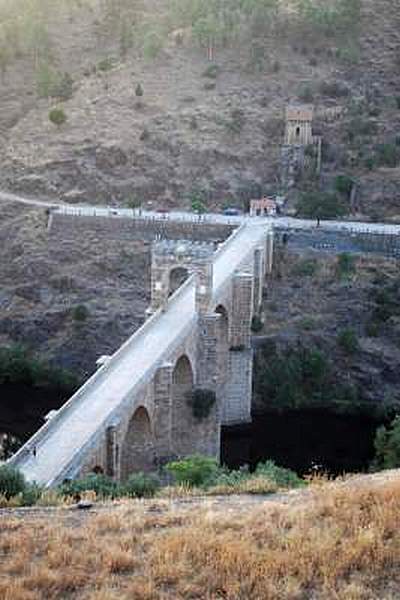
(72, 466)
(98, 376)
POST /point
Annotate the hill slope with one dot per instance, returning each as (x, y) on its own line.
(195, 130)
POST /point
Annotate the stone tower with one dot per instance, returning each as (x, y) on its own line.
(298, 130)
(172, 261)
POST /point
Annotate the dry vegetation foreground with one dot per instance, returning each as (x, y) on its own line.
(330, 541)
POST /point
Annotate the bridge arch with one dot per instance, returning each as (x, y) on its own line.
(177, 276)
(182, 417)
(137, 452)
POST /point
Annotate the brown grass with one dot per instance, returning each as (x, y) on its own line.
(336, 542)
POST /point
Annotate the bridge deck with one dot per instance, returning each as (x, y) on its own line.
(59, 441)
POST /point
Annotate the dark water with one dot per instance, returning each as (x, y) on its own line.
(23, 407)
(301, 439)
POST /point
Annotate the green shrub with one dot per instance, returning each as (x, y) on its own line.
(57, 116)
(212, 71)
(18, 366)
(344, 185)
(361, 127)
(201, 402)
(194, 470)
(387, 446)
(256, 324)
(305, 268)
(348, 341)
(279, 475)
(388, 155)
(139, 91)
(345, 265)
(306, 93)
(102, 485)
(334, 89)
(31, 494)
(140, 485)
(106, 64)
(372, 329)
(80, 313)
(12, 482)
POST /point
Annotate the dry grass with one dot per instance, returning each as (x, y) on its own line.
(339, 541)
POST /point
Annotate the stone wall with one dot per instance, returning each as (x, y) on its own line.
(129, 229)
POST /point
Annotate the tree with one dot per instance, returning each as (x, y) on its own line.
(320, 205)
(57, 116)
(387, 446)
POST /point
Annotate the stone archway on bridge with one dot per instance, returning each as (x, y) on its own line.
(177, 277)
(138, 447)
(222, 346)
(183, 422)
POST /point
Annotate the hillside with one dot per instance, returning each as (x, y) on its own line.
(201, 128)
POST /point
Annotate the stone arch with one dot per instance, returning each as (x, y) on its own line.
(223, 345)
(177, 276)
(182, 417)
(137, 453)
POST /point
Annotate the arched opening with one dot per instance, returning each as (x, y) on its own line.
(137, 449)
(223, 345)
(177, 276)
(97, 470)
(182, 417)
(297, 131)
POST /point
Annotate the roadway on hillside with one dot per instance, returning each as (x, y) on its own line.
(76, 424)
(282, 222)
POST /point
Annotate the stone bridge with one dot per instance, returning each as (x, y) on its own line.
(133, 414)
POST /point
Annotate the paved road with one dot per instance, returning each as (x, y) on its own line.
(131, 367)
(289, 222)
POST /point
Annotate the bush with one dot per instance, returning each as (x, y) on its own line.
(344, 185)
(333, 89)
(102, 485)
(387, 446)
(57, 116)
(80, 313)
(388, 155)
(12, 482)
(31, 494)
(212, 71)
(201, 402)
(194, 470)
(106, 64)
(139, 91)
(140, 485)
(348, 341)
(305, 268)
(320, 205)
(256, 324)
(306, 93)
(345, 264)
(279, 475)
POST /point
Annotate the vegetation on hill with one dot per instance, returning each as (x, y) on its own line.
(171, 71)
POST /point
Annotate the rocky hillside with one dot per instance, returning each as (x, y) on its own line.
(68, 302)
(150, 118)
(331, 335)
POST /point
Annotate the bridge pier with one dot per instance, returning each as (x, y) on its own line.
(162, 416)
